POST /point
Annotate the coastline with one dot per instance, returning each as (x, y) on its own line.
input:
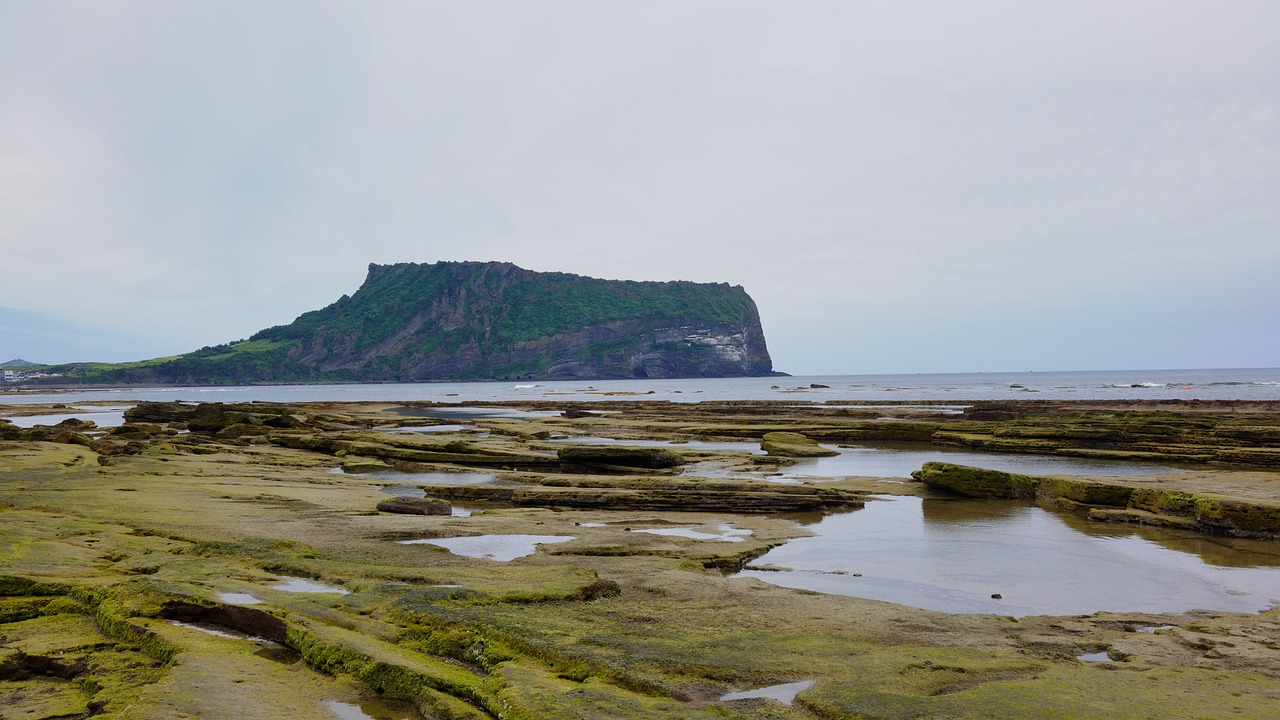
(185, 510)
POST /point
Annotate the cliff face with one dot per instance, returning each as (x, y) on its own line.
(411, 322)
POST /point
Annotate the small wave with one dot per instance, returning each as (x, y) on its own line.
(1270, 383)
(526, 387)
(1136, 385)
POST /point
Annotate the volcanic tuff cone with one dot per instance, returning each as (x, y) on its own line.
(414, 322)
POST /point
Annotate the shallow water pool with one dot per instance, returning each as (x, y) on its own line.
(954, 554)
(500, 548)
(900, 460)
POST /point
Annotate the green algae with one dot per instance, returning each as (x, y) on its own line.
(1207, 512)
(614, 625)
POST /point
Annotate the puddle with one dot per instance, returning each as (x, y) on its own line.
(269, 650)
(1098, 657)
(784, 693)
(727, 533)
(1154, 628)
(300, 585)
(900, 460)
(500, 548)
(954, 554)
(373, 709)
(238, 598)
(215, 631)
(104, 417)
(275, 652)
(408, 491)
(473, 413)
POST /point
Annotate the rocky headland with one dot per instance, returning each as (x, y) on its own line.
(414, 322)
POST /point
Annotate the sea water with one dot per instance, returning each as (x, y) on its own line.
(1202, 384)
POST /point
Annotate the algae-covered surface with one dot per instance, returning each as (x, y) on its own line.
(120, 547)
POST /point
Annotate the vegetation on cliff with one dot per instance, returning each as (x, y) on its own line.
(469, 321)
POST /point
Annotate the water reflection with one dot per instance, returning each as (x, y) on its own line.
(499, 548)
(784, 693)
(373, 708)
(103, 417)
(900, 460)
(302, 585)
(954, 554)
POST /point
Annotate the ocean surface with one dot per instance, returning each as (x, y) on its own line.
(1202, 384)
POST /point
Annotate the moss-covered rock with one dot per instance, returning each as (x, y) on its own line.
(1114, 501)
(790, 444)
(415, 506)
(976, 482)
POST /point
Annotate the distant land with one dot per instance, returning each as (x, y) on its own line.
(18, 362)
(451, 321)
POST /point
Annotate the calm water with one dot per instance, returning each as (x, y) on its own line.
(954, 554)
(899, 461)
(1214, 384)
(373, 708)
(500, 548)
(784, 693)
(103, 417)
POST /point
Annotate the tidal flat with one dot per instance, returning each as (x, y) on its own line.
(122, 546)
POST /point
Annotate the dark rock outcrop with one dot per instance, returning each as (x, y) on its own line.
(613, 455)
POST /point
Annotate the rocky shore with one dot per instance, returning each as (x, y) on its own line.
(145, 564)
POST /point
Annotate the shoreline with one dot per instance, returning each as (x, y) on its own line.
(112, 534)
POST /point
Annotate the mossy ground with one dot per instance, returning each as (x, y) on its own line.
(615, 624)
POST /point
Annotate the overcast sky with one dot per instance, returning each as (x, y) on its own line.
(900, 186)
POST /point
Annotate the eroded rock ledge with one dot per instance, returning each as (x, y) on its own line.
(1115, 501)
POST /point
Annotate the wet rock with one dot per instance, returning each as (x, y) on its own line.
(238, 430)
(137, 430)
(789, 444)
(416, 506)
(631, 457)
(976, 482)
(45, 433)
(1113, 501)
(212, 417)
(9, 431)
(241, 619)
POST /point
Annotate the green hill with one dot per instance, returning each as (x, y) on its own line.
(414, 322)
